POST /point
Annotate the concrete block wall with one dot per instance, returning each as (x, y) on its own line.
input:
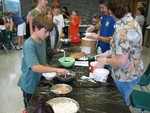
(85, 7)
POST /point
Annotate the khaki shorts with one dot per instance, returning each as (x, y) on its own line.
(21, 30)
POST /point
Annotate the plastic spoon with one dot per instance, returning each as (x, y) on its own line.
(88, 78)
(56, 91)
(62, 50)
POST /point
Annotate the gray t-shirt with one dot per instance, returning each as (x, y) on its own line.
(140, 19)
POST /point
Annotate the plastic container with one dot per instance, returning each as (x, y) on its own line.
(101, 74)
(92, 64)
(75, 39)
(99, 50)
(88, 46)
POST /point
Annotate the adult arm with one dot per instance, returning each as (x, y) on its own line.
(117, 60)
(30, 24)
(104, 39)
(92, 28)
(101, 38)
(142, 23)
(11, 24)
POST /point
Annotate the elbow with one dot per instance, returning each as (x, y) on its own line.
(123, 62)
(34, 69)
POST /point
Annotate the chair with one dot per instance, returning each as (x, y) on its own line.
(140, 99)
(8, 38)
(145, 80)
(2, 43)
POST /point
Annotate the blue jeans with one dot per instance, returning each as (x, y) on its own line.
(126, 88)
(26, 98)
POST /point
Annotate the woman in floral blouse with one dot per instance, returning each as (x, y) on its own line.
(125, 53)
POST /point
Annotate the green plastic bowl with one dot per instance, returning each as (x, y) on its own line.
(66, 61)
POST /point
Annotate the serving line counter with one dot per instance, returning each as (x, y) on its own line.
(92, 97)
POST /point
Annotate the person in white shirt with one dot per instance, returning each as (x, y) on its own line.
(140, 17)
(58, 19)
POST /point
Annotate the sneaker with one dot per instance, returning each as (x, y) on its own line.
(18, 48)
(21, 47)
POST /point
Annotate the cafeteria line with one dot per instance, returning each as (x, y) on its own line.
(85, 86)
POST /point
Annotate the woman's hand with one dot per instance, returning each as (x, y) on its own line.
(92, 36)
(103, 55)
(101, 63)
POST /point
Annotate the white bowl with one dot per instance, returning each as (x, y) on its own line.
(49, 76)
(101, 74)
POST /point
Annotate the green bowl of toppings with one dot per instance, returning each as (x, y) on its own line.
(66, 61)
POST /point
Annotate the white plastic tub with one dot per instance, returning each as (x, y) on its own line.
(101, 74)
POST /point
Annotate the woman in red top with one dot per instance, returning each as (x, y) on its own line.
(74, 24)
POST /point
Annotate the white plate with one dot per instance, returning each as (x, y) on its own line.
(64, 105)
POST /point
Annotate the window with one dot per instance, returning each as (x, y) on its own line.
(12, 6)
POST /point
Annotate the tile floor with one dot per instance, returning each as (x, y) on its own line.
(10, 94)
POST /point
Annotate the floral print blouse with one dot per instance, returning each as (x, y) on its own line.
(127, 39)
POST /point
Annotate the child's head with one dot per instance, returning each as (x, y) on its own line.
(64, 9)
(42, 21)
(74, 12)
(140, 11)
(47, 11)
(43, 2)
(56, 8)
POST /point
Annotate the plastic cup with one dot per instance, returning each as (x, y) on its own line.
(92, 65)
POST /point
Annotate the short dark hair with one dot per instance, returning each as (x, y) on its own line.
(128, 8)
(65, 8)
(105, 2)
(141, 9)
(118, 8)
(42, 21)
(75, 10)
(144, 5)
